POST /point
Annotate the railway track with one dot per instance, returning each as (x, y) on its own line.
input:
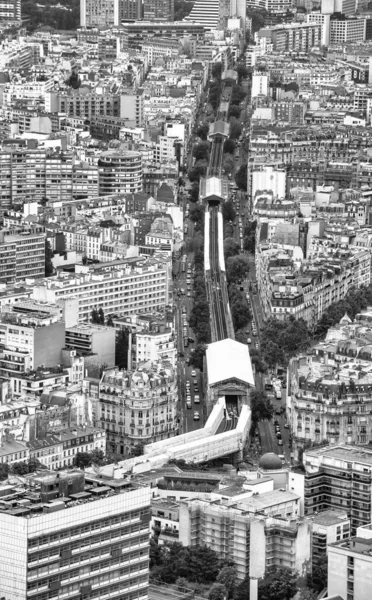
(216, 292)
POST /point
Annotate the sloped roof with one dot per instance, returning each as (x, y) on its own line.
(228, 359)
(219, 128)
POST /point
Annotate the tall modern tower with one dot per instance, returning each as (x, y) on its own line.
(207, 12)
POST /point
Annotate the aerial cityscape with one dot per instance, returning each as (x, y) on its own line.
(186, 300)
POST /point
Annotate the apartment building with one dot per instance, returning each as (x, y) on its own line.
(158, 10)
(10, 10)
(125, 287)
(119, 172)
(296, 37)
(339, 477)
(89, 338)
(31, 336)
(22, 256)
(60, 539)
(138, 407)
(249, 532)
(347, 30)
(156, 344)
(328, 527)
(99, 13)
(307, 292)
(350, 566)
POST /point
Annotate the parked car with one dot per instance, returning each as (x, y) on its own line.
(196, 416)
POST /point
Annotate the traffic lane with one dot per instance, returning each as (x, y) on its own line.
(192, 424)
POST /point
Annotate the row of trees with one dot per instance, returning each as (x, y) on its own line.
(355, 301)
(23, 467)
(240, 312)
(280, 340)
(199, 316)
(191, 568)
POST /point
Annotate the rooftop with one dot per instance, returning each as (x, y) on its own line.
(268, 500)
(237, 367)
(330, 517)
(351, 454)
(32, 497)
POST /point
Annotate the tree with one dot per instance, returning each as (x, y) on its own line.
(277, 584)
(228, 164)
(249, 237)
(204, 564)
(217, 70)
(82, 460)
(256, 360)
(242, 70)
(234, 111)
(230, 248)
(97, 456)
(281, 340)
(194, 192)
(20, 468)
(228, 211)
(197, 357)
(237, 94)
(258, 18)
(121, 348)
(101, 317)
(109, 322)
(197, 212)
(237, 268)
(241, 314)
(49, 269)
(94, 316)
(74, 80)
(273, 354)
(319, 575)
(235, 128)
(307, 594)
(229, 146)
(227, 576)
(241, 178)
(217, 592)
(4, 471)
(203, 131)
(198, 170)
(201, 151)
(243, 589)
(261, 406)
(182, 584)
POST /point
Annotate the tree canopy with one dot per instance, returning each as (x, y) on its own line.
(48, 259)
(230, 248)
(194, 192)
(201, 151)
(241, 178)
(121, 348)
(228, 211)
(355, 301)
(229, 146)
(277, 584)
(202, 131)
(261, 406)
(237, 268)
(280, 340)
(194, 563)
(249, 236)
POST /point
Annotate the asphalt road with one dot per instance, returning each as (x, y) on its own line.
(187, 421)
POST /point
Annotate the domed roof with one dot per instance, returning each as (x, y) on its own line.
(270, 462)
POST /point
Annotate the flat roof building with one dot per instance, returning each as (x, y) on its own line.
(66, 535)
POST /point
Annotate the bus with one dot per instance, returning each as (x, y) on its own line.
(183, 263)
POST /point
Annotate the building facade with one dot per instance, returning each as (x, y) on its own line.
(139, 407)
(79, 544)
(339, 478)
(21, 256)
